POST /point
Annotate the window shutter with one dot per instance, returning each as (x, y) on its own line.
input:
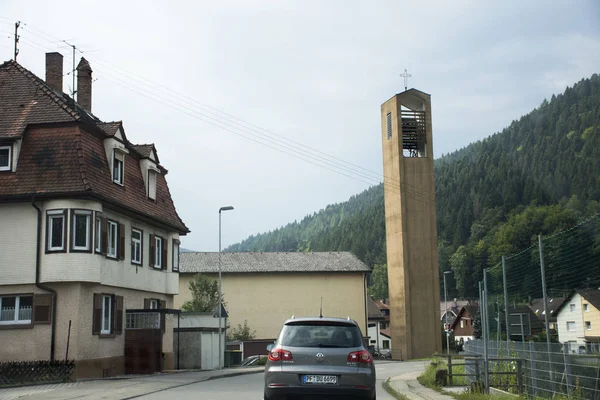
(152, 251)
(165, 246)
(97, 314)
(104, 243)
(118, 323)
(146, 304)
(163, 320)
(42, 308)
(121, 242)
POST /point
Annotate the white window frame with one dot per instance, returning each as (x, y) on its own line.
(588, 325)
(120, 157)
(98, 234)
(153, 304)
(88, 215)
(113, 240)
(571, 307)
(571, 324)
(16, 319)
(7, 167)
(158, 252)
(136, 243)
(52, 214)
(462, 323)
(152, 178)
(106, 330)
(175, 252)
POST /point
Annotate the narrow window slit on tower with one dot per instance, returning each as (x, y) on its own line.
(414, 136)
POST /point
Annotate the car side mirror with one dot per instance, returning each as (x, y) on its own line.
(270, 347)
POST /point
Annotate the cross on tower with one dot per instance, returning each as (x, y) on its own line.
(405, 75)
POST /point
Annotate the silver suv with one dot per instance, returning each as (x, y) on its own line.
(319, 356)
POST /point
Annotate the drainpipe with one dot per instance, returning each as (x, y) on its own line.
(37, 278)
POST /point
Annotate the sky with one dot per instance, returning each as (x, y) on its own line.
(273, 107)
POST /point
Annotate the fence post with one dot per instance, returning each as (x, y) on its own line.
(567, 372)
(520, 378)
(505, 302)
(595, 397)
(532, 367)
(450, 369)
(486, 365)
(546, 313)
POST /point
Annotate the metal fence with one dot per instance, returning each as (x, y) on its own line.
(541, 305)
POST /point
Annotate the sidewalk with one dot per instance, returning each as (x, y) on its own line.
(121, 388)
(407, 385)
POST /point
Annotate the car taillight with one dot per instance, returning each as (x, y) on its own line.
(280, 354)
(362, 356)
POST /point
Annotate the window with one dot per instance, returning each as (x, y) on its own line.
(5, 158)
(176, 255)
(136, 246)
(152, 184)
(571, 307)
(588, 325)
(111, 251)
(389, 125)
(16, 309)
(153, 304)
(373, 341)
(462, 323)
(586, 307)
(382, 325)
(81, 230)
(571, 326)
(56, 230)
(106, 315)
(386, 344)
(158, 258)
(118, 167)
(98, 236)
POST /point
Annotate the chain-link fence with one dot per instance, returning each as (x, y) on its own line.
(541, 305)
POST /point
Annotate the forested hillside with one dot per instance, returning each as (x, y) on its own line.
(543, 167)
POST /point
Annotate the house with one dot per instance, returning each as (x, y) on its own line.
(578, 320)
(462, 326)
(267, 288)
(537, 306)
(523, 322)
(452, 308)
(378, 322)
(89, 229)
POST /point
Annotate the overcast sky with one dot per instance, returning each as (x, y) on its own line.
(311, 73)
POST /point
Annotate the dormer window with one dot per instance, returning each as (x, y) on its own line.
(152, 184)
(118, 167)
(5, 158)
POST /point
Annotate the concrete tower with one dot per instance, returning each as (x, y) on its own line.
(410, 223)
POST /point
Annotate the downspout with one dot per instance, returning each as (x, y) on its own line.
(37, 278)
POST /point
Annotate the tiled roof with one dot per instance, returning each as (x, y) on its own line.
(271, 262)
(145, 150)
(68, 159)
(591, 295)
(26, 99)
(373, 310)
(387, 332)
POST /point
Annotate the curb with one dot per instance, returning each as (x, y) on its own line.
(208, 378)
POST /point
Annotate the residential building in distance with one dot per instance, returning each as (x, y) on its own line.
(379, 325)
(578, 320)
(88, 226)
(267, 288)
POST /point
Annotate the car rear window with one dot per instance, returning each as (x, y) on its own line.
(320, 334)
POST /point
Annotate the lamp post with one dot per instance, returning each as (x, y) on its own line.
(446, 313)
(220, 304)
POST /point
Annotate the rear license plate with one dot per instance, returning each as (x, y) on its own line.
(320, 379)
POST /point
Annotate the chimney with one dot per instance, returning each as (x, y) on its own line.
(84, 84)
(54, 71)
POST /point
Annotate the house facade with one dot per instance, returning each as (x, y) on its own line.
(88, 224)
(379, 325)
(462, 326)
(578, 321)
(267, 288)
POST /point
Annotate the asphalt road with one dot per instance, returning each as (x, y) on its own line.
(251, 386)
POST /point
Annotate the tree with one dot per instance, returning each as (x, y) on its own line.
(242, 332)
(379, 282)
(477, 329)
(205, 295)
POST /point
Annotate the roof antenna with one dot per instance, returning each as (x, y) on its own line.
(321, 311)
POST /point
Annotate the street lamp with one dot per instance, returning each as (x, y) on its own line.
(220, 304)
(446, 313)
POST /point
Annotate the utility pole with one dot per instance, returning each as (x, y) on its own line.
(17, 24)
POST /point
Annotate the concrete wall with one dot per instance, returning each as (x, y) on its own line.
(18, 230)
(192, 335)
(267, 300)
(411, 236)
